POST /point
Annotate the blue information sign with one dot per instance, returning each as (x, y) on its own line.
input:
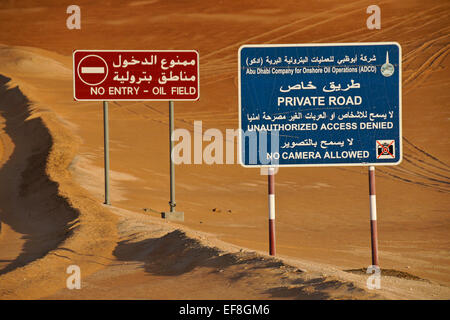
(320, 104)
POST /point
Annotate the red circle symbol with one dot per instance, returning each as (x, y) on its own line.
(92, 70)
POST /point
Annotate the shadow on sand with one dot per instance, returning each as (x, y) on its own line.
(175, 254)
(29, 200)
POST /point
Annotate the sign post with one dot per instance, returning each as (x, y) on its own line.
(172, 202)
(172, 214)
(321, 105)
(106, 149)
(271, 184)
(137, 75)
(373, 216)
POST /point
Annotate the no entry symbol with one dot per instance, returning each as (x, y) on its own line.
(92, 70)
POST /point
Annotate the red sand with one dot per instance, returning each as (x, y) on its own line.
(322, 213)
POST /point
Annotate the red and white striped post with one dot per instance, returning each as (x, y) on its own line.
(271, 180)
(373, 216)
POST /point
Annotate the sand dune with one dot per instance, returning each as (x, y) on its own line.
(47, 230)
(184, 264)
(43, 226)
(51, 160)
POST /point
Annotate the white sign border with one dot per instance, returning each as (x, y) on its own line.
(85, 50)
(321, 45)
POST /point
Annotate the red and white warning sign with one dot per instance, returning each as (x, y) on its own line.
(102, 75)
(92, 70)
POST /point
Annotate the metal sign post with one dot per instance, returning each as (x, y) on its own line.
(172, 214)
(271, 183)
(106, 149)
(373, 216)
(172, 202)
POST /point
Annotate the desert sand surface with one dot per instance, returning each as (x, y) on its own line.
(51, 163)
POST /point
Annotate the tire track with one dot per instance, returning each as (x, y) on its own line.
(212, 71)
(425, 162)
(233, 47)
(428, 66)
(406, 158)
(280, 28)
(415, 176)
(425, 177)
(422, 184)
(426, 154)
